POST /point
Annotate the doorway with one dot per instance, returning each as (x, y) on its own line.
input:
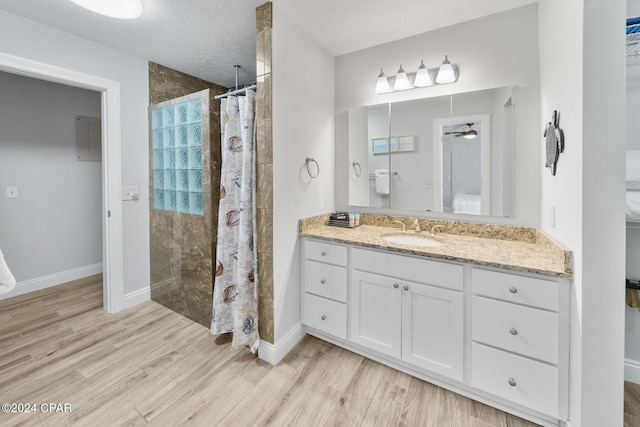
(113, 260)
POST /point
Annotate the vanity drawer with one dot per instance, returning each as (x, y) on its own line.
(518, 289)
(441, 274)
(518, 379)
(325, 315)
(325, 252)
(527, 331)
(326, 280)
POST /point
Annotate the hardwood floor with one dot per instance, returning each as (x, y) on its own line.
(151, 366)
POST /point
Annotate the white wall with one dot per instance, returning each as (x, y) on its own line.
(494, 51)
(580, 42)
(55, 225)
(633, 104)
(303, 126)
(632, 320)
(27, 39)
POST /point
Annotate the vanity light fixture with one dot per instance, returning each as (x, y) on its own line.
(446, 73)
(402, 81)
(122, 9)
(382, 86)
(423, 77)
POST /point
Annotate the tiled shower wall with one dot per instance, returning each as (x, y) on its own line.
(265, 171)
(183, 245)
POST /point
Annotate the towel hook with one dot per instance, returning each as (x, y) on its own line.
(310, 160)
(357, 169)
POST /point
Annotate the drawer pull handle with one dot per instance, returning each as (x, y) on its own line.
(324, 317)
(405, 287)
(323, 281)
(513, 331)
(513, 290)
(396, 286)
(512, 382)
(323, 253)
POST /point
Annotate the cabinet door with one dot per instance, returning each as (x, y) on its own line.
(375, 312)
(433, 329)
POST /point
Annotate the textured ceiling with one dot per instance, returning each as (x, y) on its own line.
(205, 38)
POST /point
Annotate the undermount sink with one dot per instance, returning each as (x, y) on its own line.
(412, 240)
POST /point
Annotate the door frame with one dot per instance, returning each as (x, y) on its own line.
(485, 159)
(112, 231)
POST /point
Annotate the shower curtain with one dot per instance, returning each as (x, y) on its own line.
(235, 292)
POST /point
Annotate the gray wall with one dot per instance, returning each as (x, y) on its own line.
(54, 225)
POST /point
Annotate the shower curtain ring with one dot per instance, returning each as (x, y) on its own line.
(309, 160)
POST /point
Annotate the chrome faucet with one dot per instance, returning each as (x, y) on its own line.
(435, 228)
(416, 224)
(404, 227)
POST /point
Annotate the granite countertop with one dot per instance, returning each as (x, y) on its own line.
(512, 248)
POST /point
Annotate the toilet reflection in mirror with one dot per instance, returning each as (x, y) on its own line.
(459, 159)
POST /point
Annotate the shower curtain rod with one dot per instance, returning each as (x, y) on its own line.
(236, 92)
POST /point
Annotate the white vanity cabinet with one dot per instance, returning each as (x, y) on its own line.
(325, 284)
(408, 308)
(519, 345)
(495, 335)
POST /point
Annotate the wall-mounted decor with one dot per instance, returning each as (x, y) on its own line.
(554, 138)
(397, 143)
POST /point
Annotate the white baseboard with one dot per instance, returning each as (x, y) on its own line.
(137, 297)
(53, 280)
(632, 370)
(274, 353)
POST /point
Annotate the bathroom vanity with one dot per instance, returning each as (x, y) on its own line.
(483, 312)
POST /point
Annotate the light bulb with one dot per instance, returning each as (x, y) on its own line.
(402, 81)
(446, 73)
(382, 85)
(423, 78)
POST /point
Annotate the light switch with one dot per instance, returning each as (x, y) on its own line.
(130, 193)
(12, 192)
(552, 216)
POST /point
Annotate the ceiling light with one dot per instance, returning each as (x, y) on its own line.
(446, 73)
(402, 81)
(470, 134)
(423, 78)
(123, 9)
(382, 86)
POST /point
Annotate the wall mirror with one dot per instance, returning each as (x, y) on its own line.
(451, 154)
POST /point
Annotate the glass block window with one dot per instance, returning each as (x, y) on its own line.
(177, 157)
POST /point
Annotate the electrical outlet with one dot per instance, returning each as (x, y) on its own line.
(12, 192)
(429, 185)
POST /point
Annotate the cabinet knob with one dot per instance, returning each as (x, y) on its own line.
(513, 290)
(396, 286)
(323, 281)
(512, 382)
(513, 331)
(323, 253)
(405, 287)
(324, 317)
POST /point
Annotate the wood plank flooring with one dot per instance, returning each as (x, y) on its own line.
(151, 366)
